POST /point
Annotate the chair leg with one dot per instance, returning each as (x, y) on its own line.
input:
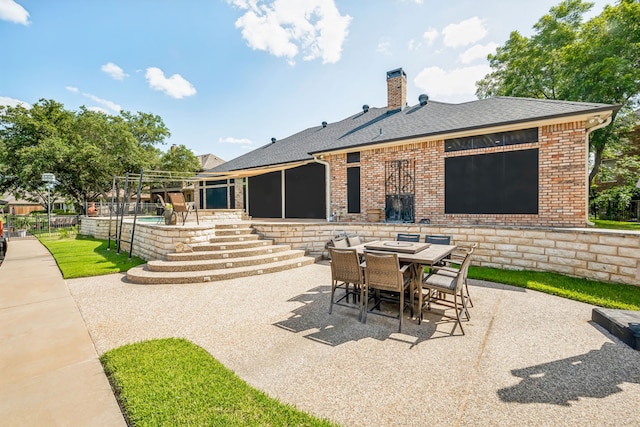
(455, 301)
(401, 310)
(466, 287)
(333, 290)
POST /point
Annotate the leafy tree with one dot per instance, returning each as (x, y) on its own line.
(179, 158)
(568, 59)
(83, 149)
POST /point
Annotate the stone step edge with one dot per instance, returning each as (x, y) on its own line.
(226, 246)
(139, 275)
(226, 253)
(225, 264)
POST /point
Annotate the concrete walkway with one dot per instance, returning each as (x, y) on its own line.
(50, 374)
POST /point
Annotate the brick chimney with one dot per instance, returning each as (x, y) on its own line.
(396, 89)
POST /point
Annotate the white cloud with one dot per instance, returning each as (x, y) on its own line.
(175, 86)
(110, 105)
(13, 12)
(430, 35)
(104, 102)
(478, 51)
(98, 110)
(440, 84)
(232, 140)
(114, 71)
(464, 33)
(286, 28)
(413, 45)
(384, 48)
(12, 102)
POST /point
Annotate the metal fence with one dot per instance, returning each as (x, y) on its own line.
(24, 226)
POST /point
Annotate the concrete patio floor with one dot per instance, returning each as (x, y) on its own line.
(527, 358)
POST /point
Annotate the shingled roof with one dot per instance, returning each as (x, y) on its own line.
(379, 125)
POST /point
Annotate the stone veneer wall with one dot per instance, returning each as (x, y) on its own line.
(604, 255)
(562, 180)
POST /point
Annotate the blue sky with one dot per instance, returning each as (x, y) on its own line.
(228, 75)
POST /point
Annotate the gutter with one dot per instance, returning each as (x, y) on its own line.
(327, 177)
(600, 123)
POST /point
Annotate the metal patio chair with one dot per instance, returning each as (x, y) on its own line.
(436, 286)
(182, 207)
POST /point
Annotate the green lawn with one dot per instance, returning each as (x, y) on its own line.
(616, 225)
(173, 382)
(83, 256)
(602, 294)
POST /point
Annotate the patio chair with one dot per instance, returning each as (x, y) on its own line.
(402, 237)
(452, 266)
(182, 207)
(437, 240)
(436, 286)
(382, 272)
(346, 273)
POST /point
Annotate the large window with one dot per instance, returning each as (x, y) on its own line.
(521, 136)
(218, 194)
(496, 183)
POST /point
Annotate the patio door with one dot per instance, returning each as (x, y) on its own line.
(400, 189)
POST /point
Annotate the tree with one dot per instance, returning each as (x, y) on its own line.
(83, 149)
(179, 158)
(568, 59)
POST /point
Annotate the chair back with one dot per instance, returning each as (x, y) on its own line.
(354, 240)
(464, 270)
(345, 266)
(340, 243)
(438, 240)
(382, 271)
(402, 237)
(178, 202)
(161, 200)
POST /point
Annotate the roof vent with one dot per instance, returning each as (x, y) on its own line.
(324, 124)
(273, 140)
(365, 108)
(423, 99)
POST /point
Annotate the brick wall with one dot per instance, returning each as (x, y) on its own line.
(562, 180)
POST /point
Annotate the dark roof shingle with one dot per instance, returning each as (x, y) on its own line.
(378, 126)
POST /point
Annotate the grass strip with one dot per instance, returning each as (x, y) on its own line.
(173, 382)
(602, 294)
(616, 225)
(84, 256)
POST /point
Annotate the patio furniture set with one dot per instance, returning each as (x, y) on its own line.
(402, 272)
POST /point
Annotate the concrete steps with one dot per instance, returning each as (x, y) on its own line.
(235, 251)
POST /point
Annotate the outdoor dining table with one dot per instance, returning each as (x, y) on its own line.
(417, 254)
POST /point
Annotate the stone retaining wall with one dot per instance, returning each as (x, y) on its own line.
(151, 241)
(606, 255)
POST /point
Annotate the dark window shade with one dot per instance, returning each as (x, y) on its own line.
(353, 157)
(305, 189)
(353, 190)
(265, 195)
(521, 136)
(496, 183)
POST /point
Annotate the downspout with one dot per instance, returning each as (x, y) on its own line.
(327, 177)
(601, 124)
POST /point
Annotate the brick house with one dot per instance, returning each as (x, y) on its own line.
(496, 161)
